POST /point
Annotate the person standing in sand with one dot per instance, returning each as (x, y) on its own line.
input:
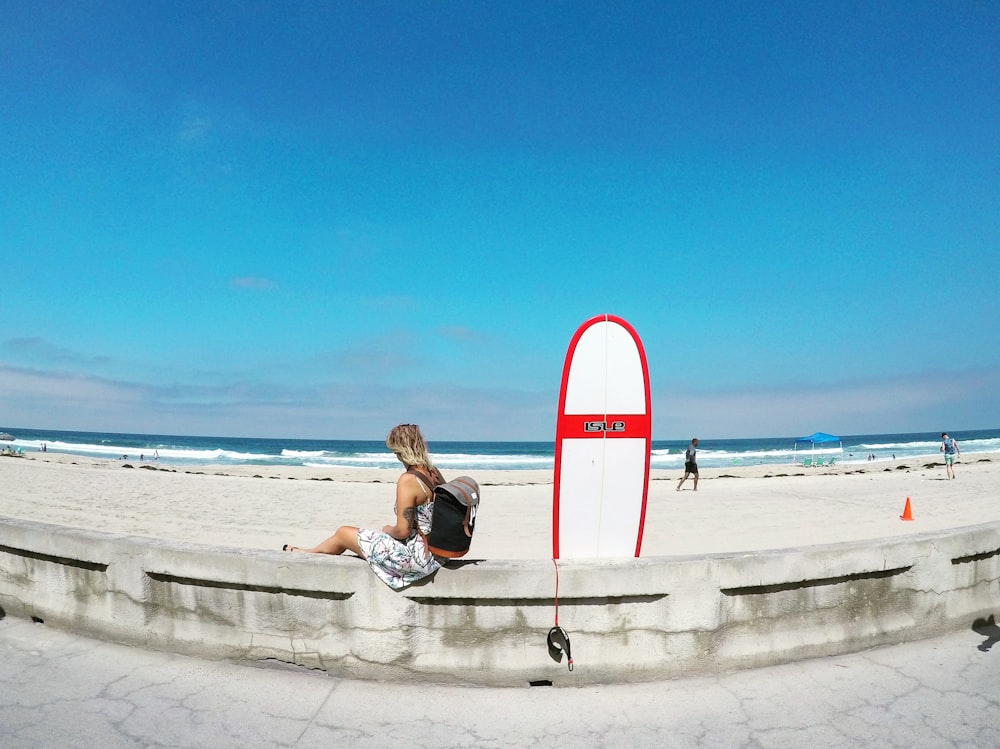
(690, 464)
(950, 449)
(398, 553)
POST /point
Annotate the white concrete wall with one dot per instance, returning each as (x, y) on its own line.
(486, 621)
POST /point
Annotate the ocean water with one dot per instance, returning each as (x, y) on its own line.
(472, 456)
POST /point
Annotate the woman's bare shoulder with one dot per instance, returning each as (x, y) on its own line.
(411, 482)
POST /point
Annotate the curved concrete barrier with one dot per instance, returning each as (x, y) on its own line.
(486, 622)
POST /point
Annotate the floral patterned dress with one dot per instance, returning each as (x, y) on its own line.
(400, 563)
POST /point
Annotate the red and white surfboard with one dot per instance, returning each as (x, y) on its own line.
(603, 436)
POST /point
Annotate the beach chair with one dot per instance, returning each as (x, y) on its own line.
(806, 462)
(819, 463)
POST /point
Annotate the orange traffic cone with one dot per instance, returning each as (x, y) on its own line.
(907, 515)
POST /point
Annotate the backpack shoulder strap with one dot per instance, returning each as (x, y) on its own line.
(435, 481)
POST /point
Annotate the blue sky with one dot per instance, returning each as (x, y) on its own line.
(319, 219)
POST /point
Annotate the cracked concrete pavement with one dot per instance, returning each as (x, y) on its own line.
(59, 690)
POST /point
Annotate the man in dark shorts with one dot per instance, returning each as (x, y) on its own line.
(690, 464)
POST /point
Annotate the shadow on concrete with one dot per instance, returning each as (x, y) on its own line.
(987, 628)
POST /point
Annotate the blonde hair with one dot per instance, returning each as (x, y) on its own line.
(406, 441)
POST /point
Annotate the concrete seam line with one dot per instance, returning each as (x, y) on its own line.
(201, 583)
(68, 561)
(976, 557)
(750, 590)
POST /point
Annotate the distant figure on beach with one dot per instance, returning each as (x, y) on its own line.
(398, 553)
(690, 464)
(950, 449)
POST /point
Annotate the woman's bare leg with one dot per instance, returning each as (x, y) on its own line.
(344, 539)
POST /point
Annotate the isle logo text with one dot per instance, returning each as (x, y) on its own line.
(604, 426)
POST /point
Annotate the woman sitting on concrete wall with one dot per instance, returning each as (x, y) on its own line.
(398, 553)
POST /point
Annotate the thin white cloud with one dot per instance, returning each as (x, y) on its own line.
(402, 303)
(194, 129)
(253, 283)
(463, 334)
(39, 350)
(378, 359)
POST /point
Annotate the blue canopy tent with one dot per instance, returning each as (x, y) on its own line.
(825, 441)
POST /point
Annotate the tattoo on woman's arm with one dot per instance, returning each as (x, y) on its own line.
(410, 514)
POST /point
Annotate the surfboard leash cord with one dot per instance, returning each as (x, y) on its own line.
(558, 640)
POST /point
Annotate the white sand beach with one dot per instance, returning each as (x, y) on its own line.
(734, 510)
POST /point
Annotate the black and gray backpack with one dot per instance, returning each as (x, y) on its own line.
(453, 520)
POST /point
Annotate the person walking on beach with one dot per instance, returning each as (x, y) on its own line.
(950, 449)
(398, 553)
(690, 464)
